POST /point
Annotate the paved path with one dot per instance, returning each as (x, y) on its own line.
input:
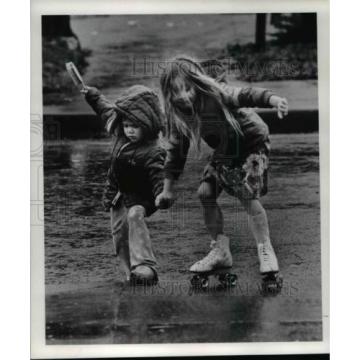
(87, 303)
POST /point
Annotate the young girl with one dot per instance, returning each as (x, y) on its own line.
(135, 176)
(198, 107)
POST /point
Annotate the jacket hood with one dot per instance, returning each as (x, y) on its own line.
(141, 105)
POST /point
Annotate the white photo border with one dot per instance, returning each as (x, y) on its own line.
(39, 349)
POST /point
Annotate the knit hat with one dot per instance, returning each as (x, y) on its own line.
(141, 105)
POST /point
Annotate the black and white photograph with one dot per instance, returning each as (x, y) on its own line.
(180, 198)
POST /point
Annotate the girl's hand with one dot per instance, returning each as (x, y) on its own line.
(89, 90)
(165, 199)
(85, 90)
(280, 104)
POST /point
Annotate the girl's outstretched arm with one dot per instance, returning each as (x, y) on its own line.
(102, 106)
(246, 97)
(177, 149)
(176, 153)
(254, 97)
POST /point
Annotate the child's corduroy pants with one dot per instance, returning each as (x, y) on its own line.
(131, 238)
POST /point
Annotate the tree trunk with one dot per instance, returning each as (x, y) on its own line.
(56, 25)
(260, 31)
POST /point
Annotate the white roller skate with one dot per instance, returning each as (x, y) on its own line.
(269, 268)
(217, 262)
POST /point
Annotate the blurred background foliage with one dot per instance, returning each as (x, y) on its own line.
(291, 54)
(267, 48)
(59, 43)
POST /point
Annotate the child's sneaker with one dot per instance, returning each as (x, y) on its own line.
(143, 275)
(218, 257)
(267, 258)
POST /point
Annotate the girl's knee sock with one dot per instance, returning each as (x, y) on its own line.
(260, 228)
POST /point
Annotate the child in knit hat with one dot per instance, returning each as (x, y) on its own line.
(135, 176)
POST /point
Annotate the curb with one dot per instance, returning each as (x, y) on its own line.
(84, 126)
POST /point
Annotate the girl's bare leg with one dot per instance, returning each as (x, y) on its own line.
(213, 216)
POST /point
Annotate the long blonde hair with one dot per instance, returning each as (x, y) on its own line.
(192, 73)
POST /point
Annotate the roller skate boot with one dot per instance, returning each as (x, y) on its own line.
(217, 262)
(269, 269)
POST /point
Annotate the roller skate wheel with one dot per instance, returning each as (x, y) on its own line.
(228, 280)
(233, 279)
(199, 282)
(272, 283)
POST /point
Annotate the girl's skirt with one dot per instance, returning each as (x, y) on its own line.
(246, 181)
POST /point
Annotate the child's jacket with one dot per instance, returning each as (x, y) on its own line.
(229, 147)
(136, 174)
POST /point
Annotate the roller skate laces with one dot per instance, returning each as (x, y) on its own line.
(267, 258)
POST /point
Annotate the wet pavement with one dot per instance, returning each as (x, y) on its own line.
(86, 301)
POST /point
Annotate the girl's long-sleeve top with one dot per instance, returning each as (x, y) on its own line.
(228, 145)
